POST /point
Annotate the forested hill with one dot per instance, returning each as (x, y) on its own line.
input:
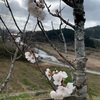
(93, 32)
(92, 36)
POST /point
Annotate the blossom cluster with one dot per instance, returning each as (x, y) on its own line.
(18, 40)
(36, 9)
(30, 57)
(58, 79)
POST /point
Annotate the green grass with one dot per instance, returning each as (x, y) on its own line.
(26, 82)
(94, 85)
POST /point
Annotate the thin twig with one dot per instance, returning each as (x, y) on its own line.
(8, 6)
(26, 23)
(42, 72)
(56, 33)
(52, 86)
(60, 27)
(26, 46)
(24, 35)
(10, 72)
(58, 15)
(44, 33)
(10, 34)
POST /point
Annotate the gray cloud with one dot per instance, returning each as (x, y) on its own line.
(92, 9)
(18, 9)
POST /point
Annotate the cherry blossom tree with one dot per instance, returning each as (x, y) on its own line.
(79, 20)
(79, 85)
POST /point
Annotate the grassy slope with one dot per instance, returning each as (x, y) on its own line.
(26, 77)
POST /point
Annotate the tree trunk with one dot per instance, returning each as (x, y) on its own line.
(80, 74)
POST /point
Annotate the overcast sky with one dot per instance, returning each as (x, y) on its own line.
(19, 8)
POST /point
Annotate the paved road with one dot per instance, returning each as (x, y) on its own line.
(61, 64)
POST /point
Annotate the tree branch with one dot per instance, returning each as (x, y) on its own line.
(10, 34)
(44, 33)
(58, 15)
(26, 23)
(42, 72)
(10, 72)
(8, 6)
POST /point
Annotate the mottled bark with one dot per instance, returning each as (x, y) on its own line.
(80, 78)
(80, 74)
(68, 2)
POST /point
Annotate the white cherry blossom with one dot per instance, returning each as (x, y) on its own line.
(63, 74)
(57, 79)
(70, 87)
(36, 55)
(36, 9)
(32, 5)
(48, 73)
(41, 5)
(62, 90)
(55, 95)
(32, 60)
(21, 43)
(17, 39)
(41, 15)
(27, 55)
(30, 57)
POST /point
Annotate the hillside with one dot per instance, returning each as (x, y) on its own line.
(27, 78)
(91, 34)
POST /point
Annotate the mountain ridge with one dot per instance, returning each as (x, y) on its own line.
(92, 35)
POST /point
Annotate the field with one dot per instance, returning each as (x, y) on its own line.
(93, 55)
(26, 77)
(27, 83)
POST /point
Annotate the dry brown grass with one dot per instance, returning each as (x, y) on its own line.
(25, 76)
(93, 56)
